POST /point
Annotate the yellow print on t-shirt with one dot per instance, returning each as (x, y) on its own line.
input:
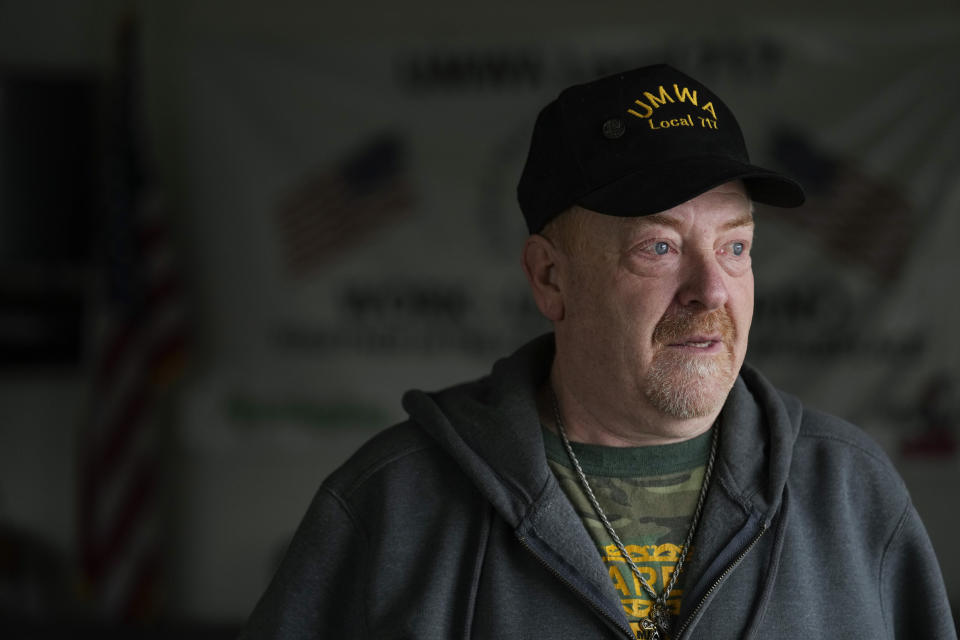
(666, 552)
(656, 564)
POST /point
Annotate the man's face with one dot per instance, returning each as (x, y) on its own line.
(658, 308)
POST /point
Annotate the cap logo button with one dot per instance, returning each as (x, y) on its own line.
(614, 128)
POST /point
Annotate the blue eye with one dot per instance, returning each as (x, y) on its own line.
(738, 248)
(661, 248)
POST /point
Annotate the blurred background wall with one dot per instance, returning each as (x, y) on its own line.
(232, 235)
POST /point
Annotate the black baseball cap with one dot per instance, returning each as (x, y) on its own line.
(637, 143)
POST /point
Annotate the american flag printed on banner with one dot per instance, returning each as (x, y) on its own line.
(335, 209)
(862, 220)
(137, 351)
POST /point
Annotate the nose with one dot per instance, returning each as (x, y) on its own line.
(703, 286)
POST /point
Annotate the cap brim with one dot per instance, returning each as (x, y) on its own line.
(662, 186)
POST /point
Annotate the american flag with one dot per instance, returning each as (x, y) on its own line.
(860, 219)
(336, 208)
(137, 350)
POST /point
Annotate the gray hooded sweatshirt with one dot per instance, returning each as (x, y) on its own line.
(451, 525)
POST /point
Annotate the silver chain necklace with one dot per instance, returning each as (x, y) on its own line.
(657, 622)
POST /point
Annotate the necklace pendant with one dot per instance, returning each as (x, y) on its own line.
(655, 625)
(650, 631)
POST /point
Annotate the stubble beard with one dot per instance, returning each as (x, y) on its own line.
(689, 385)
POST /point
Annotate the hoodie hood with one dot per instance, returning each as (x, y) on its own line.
(492, 429)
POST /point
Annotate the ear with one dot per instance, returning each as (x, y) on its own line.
(540, 258)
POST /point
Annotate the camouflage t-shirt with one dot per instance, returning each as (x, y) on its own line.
(649, 495)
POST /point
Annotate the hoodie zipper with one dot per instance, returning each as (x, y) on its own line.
(721, 578)
(629, 632)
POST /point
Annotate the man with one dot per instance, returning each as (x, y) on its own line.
(628, 475)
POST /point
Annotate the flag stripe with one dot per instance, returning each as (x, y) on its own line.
(138, 348)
